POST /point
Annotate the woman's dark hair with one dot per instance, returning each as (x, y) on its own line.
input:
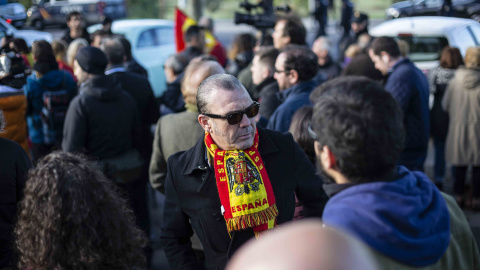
(44, 58)
(242, 43)
(72, 217)
(20, 46)
(451, 58)
(299, 129)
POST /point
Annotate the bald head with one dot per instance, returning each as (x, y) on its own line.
(195, 73)
(303, 245)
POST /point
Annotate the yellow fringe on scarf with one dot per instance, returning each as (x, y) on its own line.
(252, 220)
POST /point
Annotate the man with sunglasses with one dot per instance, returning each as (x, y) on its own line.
(236, 183)
(295, 69)
(400, 214)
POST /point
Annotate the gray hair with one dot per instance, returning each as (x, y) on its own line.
(218, 81)
(177, 63)
(114, 51)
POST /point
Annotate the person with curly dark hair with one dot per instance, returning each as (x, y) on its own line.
(72, 217)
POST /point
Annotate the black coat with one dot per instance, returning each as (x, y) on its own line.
(14, 165)
(102, 121)
(140, 90)
(192, 200)
(68, 39)
(172, 97)
(269, 100)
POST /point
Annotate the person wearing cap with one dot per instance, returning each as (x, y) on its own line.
(46, 77)
(102, 121)
(359, 24)
(13, 102)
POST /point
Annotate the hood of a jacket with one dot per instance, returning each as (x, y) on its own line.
(11, 98)
(101, 87)
(53, 79)
(406, 219)
(468, 78)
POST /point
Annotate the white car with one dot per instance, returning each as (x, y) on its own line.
(426, 36)
(28, 35)
(153, 40)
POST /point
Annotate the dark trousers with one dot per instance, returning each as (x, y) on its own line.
(460, 176)
(439, 159)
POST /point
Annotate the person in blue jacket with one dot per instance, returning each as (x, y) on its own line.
(295, 69)
(409, 86)
(401, 215)
(47, 77)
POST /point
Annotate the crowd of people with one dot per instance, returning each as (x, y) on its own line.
(244, 143)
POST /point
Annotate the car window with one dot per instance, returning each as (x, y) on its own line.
(147, 38)
(433, 3)
(165, 36)
(424, 48)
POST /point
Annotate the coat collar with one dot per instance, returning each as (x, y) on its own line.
(197, 160)
(306, 86)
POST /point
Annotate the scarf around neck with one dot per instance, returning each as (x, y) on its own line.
(244, 188)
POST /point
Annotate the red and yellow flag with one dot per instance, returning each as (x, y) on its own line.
(212, 46)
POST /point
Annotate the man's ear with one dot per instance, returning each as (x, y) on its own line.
(203, 120)
(326, 157)
(293, 77)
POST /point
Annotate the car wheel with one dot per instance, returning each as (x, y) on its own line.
(39, 24)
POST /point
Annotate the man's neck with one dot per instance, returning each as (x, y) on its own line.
(394, 61)
(76, 33)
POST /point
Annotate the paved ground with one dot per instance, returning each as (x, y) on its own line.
(226, 31)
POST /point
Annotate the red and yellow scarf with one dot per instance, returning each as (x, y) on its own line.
(244, 187)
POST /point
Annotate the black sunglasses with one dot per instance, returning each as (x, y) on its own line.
(236, 117)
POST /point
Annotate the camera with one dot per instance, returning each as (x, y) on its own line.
(260, 20)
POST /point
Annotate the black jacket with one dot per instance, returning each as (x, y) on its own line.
(68, 39)
(14, 165)
(102, 121)
(268, 99)
(192, 200)
(172, 97)
(140, 90)
(135, 67)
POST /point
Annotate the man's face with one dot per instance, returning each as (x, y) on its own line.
(79, 73)
(279, 41)
(75, 22)
(381, 63)
(281, 74)
(226, 136)
(258, 71)
(358, 27)
(97, 41)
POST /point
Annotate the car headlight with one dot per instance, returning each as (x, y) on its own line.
(394, 12)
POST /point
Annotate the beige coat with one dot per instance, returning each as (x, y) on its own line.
(462, 102)
(174, 133)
